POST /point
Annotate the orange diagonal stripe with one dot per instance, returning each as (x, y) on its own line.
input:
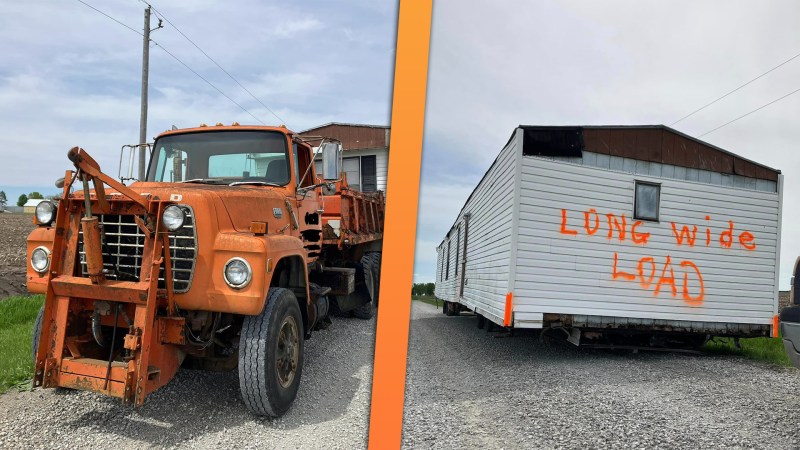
(408, 117)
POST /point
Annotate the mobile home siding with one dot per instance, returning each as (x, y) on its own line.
(572, 272)
(489, 237)
(381, 162)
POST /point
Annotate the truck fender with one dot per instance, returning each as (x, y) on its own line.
(286, 267)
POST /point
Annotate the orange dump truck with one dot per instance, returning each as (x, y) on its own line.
(230, 254)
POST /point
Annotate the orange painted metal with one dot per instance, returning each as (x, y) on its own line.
(93, 248)
(352, 217)
(775, 325)
(508, 311)
(263, 224)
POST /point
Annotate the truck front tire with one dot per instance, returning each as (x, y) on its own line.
(271, 355)
(37, 333)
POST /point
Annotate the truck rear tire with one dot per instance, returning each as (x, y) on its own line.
(271, 355)
(367, 310)
(37, 333)
(376, 266)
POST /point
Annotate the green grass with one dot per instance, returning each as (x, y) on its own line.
(760, 349)
(17, 315)
(429, 299)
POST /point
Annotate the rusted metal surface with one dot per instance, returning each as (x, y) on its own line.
(151, 344)
(353, 136)
(93, 247)
(172, 330)
(664, 145)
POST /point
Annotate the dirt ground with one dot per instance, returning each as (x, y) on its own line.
(14, 230)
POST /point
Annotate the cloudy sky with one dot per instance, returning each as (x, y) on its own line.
(499, 64)
(70, 76)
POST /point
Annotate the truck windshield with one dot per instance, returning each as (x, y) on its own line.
(221, 157)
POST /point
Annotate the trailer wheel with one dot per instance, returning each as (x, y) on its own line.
(37, 333)
(366, 310)
(271, 355)
(450, 309)
(481, 321)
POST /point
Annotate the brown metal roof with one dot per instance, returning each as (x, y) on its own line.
(353, 136)
(653, 143)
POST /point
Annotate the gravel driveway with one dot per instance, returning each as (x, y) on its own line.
(467, 389)
(204, 410)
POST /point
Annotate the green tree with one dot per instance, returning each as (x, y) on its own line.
(35, 195)
(22, 200)
(3, 200)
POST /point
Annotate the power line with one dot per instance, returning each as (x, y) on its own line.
(751, 112)
(209, 83)
(179, 60)
(115, 20)
(213, 61)
(731, 92)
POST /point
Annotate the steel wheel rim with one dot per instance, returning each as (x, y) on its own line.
(288, 352)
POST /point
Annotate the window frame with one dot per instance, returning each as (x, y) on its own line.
(636, 199)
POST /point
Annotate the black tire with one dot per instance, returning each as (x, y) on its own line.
(367, 309)
(268, 388)
(37, 333)
(481, 321)
(376, 267)
(449, 308)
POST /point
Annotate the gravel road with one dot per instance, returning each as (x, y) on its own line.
(204, 410)
(467, 389)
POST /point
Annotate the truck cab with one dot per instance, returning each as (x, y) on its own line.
(225, 256)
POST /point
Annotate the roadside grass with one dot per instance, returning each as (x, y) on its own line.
(429, 299)
(17, 315)
(760, 349)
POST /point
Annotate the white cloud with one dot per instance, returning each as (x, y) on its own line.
(293, 27)
(78, 83)
(497, 65)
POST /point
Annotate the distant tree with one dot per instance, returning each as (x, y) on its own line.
(3, 200)
(423, 289)
(22, 200)
(35, 195)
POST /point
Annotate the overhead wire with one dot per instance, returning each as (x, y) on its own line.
(751, 112)
(162, 16)
(731, 92)
(178, 60)
(115, 20)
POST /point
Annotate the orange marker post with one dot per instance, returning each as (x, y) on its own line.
(400, 226)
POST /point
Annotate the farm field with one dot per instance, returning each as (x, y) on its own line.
(14, 230)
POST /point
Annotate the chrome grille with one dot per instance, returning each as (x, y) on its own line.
(123, 245)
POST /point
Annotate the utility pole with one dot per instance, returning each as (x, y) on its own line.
(145, 74)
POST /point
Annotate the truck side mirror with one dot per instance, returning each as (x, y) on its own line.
(129, 161)
(331, 160)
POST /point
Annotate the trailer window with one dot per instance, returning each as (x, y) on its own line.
(646, 201)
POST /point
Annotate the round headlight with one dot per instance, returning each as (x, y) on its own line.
(45, 212)
(173, 217)
(237, 273)
(40, 259)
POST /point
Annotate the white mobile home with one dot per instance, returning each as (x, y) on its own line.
(617, 227)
